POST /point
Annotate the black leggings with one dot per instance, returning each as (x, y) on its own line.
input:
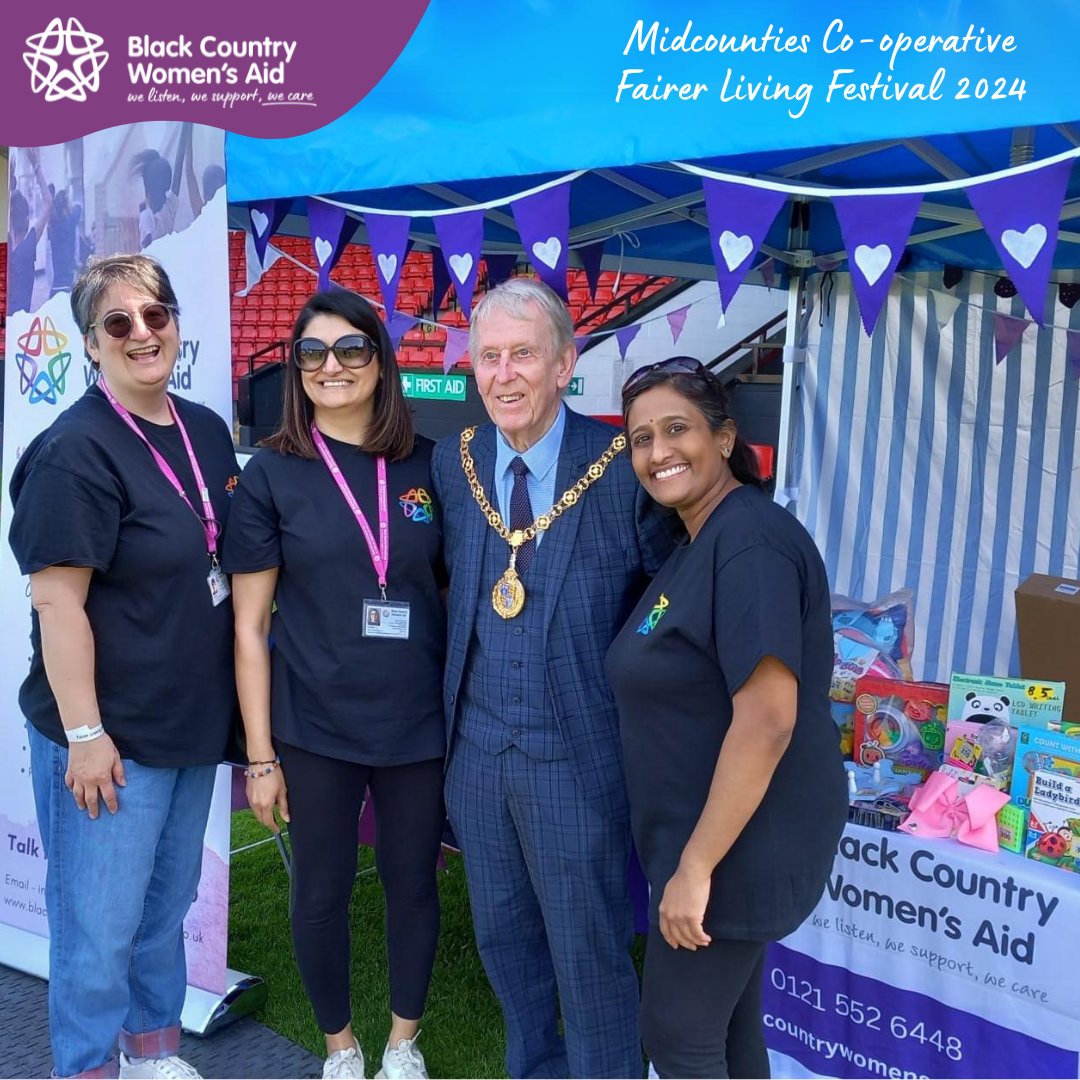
(325, 798)
(701, 1011)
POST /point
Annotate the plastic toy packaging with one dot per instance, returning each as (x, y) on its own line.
(902, 722)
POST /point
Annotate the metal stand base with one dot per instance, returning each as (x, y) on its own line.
(204, 1012)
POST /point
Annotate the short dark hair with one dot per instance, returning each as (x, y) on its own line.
(709, 396)
(18, 213)
(391, 434)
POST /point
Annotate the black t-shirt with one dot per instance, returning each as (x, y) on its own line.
(88, 493)
(751, 585)
(333, 691)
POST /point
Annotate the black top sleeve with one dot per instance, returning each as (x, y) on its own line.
(253, 542)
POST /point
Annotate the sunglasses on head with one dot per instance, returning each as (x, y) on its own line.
(119, 324)
(352, 351)
(675, 365)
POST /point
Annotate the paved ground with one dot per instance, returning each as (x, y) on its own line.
(244, 1049)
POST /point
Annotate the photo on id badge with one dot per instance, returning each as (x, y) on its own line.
(386, 619)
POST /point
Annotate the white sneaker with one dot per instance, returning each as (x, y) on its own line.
(345, 1064)
(403, 1062)
(167, 1068)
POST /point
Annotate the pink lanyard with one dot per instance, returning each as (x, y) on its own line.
(208, 521)
(380, 554)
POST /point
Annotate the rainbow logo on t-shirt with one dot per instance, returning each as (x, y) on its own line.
(416, 505)
(654, 616)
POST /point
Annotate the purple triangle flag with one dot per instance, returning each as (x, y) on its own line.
(1008, 331)
(581, 340)
(398, 325)
(677, 320)
(266, 217)
(388, 237)
(1072, 351)
(440, 277)
(739, 217)
(543, 222)
(461, 237)
(875, 229)
(767, 269)
(591, 257)
(457, 345)
(1020, 215)
(499, 268)
(624, 335)
(329, 234)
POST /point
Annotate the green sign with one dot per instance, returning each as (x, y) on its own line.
(576, 387)
(437, 387)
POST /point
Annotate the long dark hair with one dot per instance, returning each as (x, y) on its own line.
(391, 434)
(707, 394)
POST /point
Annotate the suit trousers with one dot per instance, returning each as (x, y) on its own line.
(551, 910)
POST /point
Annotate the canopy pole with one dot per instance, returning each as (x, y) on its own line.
(784, 493)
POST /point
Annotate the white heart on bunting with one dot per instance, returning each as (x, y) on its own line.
(461, 265)
(735, 249)
(260, 221)
(548, 251)
(323, 250)
(1024, 246)
(873, 261)
(387, 266)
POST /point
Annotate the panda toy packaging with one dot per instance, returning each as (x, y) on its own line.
(901, 722)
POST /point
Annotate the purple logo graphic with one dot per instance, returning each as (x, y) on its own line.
(79, 46)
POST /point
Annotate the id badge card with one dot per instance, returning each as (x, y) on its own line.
(219, 585)
(386, 619)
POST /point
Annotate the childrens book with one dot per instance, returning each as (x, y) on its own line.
(1053, 833)
(1042, 751)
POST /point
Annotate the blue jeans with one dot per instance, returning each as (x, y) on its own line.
(117, 889)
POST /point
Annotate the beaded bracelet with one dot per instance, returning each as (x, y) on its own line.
(254, 774)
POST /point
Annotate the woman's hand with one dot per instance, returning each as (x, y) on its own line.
(682, 909)
(93, 768)
(266, 792)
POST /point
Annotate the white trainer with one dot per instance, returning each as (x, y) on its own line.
(167, 1068)
(345, 1064)
(403, 1062)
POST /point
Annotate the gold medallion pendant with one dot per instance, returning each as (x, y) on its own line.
(508, 596)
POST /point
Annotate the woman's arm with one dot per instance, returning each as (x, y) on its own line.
(58, 594)
(253, 599)
(763, 718)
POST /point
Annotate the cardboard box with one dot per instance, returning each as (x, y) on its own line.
(1048, 628)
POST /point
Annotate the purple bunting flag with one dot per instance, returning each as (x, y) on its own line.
(624, 335)
(677, 320)
(591, 257)
(767, 269)
(739, 218)
(330, 232)
(875, 229)
(388, 238)
(1008, 330)
(440, 276)
(461, 237)
(266, 217)
(398, 325)
(499, 268)
(580, 341)
(457, 345)
(1072, 351)
(543, 222)
(1020, 214)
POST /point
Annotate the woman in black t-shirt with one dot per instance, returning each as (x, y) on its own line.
(334, 523)
(737, 791)
(130, 696)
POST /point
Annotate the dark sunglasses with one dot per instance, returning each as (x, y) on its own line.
(675, 365)
(352, 351)
(119, 324)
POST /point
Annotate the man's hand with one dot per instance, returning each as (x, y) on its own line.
(682, 909)
(93, 768)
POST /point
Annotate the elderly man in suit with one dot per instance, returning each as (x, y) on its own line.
(549, 541)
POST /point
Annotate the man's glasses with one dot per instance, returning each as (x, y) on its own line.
(352, 351)
(675, 365)
(119, 324)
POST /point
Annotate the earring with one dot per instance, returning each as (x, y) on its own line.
(727, 451)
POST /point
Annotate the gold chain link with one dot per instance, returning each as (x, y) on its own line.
(543, 522)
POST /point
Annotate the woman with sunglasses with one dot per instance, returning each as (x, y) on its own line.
(737, 791)
(130, 697)
(333, 521)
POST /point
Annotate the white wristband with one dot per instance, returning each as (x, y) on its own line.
(86, 733)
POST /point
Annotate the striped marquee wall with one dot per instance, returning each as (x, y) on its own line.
(919, 462)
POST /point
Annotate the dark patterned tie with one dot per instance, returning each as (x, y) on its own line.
(521, 515)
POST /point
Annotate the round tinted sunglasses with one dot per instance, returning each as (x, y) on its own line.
(119, 324)
(352, 351)
(676, 365)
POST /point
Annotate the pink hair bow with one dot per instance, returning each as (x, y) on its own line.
(939, 808)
